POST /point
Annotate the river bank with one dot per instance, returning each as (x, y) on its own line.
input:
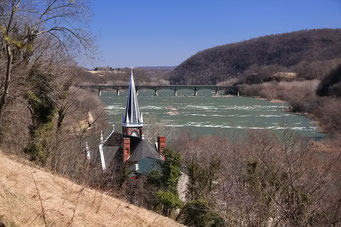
(325, 112)
(314, 120)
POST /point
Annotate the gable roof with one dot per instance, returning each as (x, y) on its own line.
(139, 148)
(109, 155)
(114, 139)
(146, 165)
(143, 150)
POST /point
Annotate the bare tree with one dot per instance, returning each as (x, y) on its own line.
(39, 31)
(271, 181)
(265, 179)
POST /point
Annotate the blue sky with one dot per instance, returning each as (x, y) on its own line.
(167, 32)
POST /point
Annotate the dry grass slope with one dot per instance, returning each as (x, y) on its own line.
(32, 197)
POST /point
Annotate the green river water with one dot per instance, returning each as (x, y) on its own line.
(208, 115)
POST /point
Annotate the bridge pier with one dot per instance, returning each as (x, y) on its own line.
(174, 88)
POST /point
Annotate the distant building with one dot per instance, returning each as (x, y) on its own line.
(287, 76)
(129, 147)
(256, 78)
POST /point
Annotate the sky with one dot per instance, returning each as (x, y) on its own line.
(167, 32)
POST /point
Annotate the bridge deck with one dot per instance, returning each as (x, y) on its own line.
(156, 87)
(175, 88)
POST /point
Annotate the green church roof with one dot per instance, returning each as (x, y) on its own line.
(146, 165)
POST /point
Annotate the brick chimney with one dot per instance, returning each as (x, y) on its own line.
(126, 149)
(161, 141)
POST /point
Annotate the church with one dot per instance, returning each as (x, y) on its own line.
(130, 147)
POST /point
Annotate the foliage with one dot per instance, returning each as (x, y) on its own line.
(170, 173)
(167, 197)
(171, 170)
(40, 142)
(154, 178)
(169, 200)
(42, 105)
(304, 52)
(197, 213)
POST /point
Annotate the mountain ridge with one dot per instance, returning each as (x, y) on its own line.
(288, 50)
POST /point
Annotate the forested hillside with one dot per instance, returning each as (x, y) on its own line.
(309, 53)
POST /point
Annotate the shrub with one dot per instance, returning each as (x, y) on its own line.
(169, 200)
(198, 213)
(167, 197)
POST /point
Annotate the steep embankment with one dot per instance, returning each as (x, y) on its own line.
(32, 197)
(286, 50)
(121, 76)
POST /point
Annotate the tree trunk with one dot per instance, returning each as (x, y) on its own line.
(4, 95)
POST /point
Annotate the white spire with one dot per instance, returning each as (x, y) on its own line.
(102, 139)
(132, 114)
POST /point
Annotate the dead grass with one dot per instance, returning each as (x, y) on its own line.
(33, 197)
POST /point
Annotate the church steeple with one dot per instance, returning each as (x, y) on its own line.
(132, 121)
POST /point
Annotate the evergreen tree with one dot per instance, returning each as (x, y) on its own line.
(167, 196)
(41, 102)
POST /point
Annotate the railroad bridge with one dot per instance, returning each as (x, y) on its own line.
(156, 88)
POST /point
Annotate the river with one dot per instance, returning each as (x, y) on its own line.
(208, 115)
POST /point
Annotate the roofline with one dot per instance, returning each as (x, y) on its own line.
(112, 132)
